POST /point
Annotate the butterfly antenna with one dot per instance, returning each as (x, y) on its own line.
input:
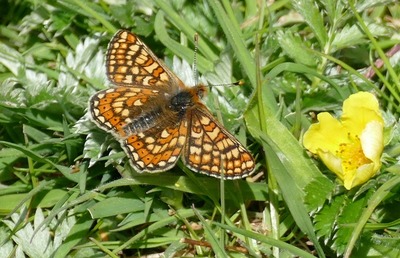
(195, 72)
(237, 83)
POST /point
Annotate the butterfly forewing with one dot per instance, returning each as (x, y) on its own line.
(130, 62)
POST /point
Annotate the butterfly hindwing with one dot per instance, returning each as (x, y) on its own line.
(212, 150)
(156, 149)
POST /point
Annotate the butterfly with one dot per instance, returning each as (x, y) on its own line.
(158, 119)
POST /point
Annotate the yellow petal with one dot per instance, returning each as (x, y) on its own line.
(358, 110)
(358, 176)
(325, 135)
(332, 162)
(372, 142)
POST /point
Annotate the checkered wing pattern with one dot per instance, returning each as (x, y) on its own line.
(212, 150)
(131, 111)
(157, 118)
(130, 62)
(157, 149)
(113, 109)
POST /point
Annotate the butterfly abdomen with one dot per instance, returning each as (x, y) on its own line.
(143, 122)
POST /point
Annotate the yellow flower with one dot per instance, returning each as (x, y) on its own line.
(352, 147)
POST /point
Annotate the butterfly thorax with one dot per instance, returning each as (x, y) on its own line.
(186, 99)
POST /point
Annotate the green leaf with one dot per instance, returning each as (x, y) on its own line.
(66, 171)
(317, 192)
(313, 17)
(349, 36)
(265, 239)
(116, 205)
(33, 242)
(79, 231)
(217, 248)
(326, 218)
(350, 214)
(294, 47)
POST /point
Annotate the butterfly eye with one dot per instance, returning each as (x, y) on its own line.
(201, 92)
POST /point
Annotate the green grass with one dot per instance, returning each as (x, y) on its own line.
(67, 188)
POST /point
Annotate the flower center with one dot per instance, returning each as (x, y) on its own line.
(352, 155)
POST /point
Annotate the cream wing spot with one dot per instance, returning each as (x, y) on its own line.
(206, 158)
(140, 164)
(205, 120)
(118, 110)
(173, 142)
(134, 49)
(131, 53)
(122, 69)
(128, 79)
(125, 113)
(172, 159)
(207, 147)
(214, 133)
(141, 59)
(151, 67)
(164, 77)
(165, 134)
(102, 120)
(156, 149)
(146, 80)
(134, 70)
(214, 169)
(118, 104)
(150, 140)
(138, 103)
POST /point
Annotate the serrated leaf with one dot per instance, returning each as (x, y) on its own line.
(97, 143)
(76, 233)
(349, 216)
(295, 47)
(349, 36)
(6, 246)
(317, 192)
(227, 101)
(313, 17)
(326, 219)
(366, 4)
(41, 243)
